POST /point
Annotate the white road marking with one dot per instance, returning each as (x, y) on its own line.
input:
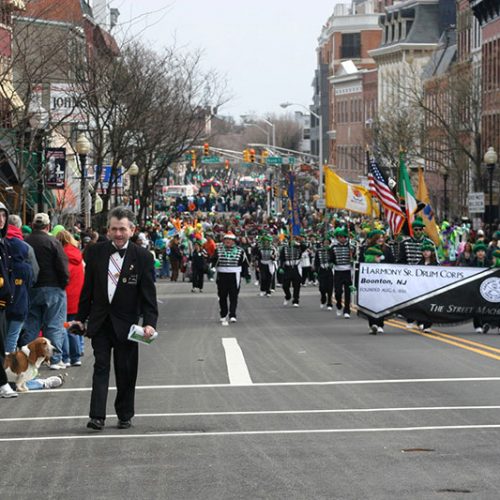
(263, 412)
(236, 366)
(285, 384)
(251, 433)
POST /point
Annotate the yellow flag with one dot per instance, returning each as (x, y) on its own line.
(213, 192)
(344, 195)
(427, 213)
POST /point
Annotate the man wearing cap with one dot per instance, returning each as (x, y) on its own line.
(265, 258)
(290, 268)
(231, 264)
(6, 293)
(374, 255)
(47, 310)
(323, 266)
(480, 260)
(343, 255)
(410, 250)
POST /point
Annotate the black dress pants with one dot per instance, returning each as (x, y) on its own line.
(292, 277)
(125, 361)
(343, 282)
(227, 288)
(265, 278)
(325, 278)
(198, 278)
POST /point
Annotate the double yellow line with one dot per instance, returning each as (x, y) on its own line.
(469, 345)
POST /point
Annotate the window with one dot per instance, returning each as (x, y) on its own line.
(351, 46)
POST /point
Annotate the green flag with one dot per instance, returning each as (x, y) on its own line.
(406, 193)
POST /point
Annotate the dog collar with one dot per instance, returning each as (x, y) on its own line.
(25, 349)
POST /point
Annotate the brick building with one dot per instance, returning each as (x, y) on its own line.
(345, 42)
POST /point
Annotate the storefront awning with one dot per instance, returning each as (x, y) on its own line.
(16, 4)
(8, 92)
(8, 171)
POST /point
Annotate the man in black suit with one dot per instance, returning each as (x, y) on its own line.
(119, 287)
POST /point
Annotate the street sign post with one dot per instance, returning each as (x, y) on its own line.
(475, 201)
(320, 204)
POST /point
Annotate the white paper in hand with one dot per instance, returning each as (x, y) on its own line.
(136, 334)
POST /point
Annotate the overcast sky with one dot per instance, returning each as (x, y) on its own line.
(266, 49)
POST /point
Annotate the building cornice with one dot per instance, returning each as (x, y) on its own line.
(401, 47)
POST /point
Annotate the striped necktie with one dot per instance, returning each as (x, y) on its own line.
(114, 269)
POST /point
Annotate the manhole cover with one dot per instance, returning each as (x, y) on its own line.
(454, 490)
(417, 450)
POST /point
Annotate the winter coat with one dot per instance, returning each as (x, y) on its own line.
(76, 276)
(23, 272)
(6, 274)
(51, 259)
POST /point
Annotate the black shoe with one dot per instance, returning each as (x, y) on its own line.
(124, 424)
(486, 328)
(96, 423)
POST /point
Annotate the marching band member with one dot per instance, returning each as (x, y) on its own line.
(265, 257)
(374, 255)
(290, 259)
(343, 255)
(323, 265)
(231, 264)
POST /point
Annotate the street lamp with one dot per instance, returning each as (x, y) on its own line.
(133, 172)
(490, 159)
(38, 120)
(444, 172)
(262, 129)
(250, 119)
(320, 124)
(83, 149)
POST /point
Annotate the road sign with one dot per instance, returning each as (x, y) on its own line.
(289, 161)
(188, 157)
(274, 160)
(210, 159)
(320, 204)
(475, 202)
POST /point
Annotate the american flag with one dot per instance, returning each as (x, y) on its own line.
(381, 191)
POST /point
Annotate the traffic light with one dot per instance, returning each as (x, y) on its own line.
(263, 156)
(206, 149)
(226, 164)
(246, 156)
(193, 159)
(276, 191)
(252, 156)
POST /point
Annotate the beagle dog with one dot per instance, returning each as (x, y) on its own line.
(23, 365)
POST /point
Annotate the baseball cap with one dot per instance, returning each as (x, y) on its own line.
(41, 219)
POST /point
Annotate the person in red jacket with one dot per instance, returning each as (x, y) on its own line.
(71, 347)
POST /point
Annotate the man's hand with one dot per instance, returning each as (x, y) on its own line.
(149, 331)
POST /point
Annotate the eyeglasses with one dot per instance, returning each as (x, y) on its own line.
(418, 229)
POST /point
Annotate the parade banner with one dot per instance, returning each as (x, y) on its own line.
(434, 294)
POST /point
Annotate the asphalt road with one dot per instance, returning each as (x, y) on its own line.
(286, 404)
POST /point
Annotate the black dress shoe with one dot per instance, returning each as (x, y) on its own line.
(124, 424)
(96, 424)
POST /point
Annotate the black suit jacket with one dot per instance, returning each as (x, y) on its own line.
(135, 293)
